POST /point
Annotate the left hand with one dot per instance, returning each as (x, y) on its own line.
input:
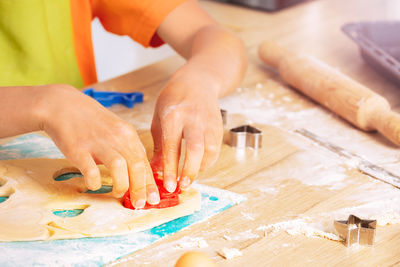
(187, 108)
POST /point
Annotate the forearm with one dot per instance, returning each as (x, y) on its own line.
(220, 55)
(85, 132)
(19, 112)
(215, 56)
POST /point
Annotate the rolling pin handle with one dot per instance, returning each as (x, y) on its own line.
(352, 101)
(271, 53)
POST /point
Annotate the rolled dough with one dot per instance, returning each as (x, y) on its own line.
(34, 194)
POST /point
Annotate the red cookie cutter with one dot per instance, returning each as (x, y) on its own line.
(167, 199)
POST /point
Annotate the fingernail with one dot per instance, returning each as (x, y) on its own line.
(185, 182)
(154, 198)
(140, 204)
(170, 186)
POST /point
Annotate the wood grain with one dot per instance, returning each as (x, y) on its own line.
(233, 164)
(339, 93)
(313, 28)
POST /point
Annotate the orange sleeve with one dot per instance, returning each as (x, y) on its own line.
(81, 15)
(138, 19)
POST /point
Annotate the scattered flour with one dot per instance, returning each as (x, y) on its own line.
(259, 105)
(352, 163)
(237, 198)
(287, 99)
(268, 190)
(298, 227)
(262, 105)
(248, 216)
(241, 236)
(191, 242)
(386, 212)
(329, 174)
(388, 218)
(229, 253)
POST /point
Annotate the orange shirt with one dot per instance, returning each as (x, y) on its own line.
(138, 19)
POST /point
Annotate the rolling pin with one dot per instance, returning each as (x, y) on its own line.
(329, 87)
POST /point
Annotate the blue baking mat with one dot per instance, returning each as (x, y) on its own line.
(96, 251)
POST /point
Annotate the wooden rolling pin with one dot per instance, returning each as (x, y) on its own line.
(339, 93)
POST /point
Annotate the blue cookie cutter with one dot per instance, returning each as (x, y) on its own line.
(108, 99)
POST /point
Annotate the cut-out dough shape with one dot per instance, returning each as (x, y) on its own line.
(66, 176)
(68, 213)
(5, 189)
(28, 212)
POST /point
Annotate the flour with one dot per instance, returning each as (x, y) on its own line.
(260, 106)
(352, 163)
(330, 174)
(271, 103)
(385, 211)
(241, 236)
(191, 242)
(236, 198)
(287, 99)
(248, 216)
(269, 190)
(229, 253)
(298, 227)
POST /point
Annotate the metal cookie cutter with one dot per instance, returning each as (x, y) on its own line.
(108, 99)
(224, 116)
(246, 135)
(356, 231)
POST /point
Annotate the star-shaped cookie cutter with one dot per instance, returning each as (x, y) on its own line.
(108, 98)
(246, 136)
(356, 231)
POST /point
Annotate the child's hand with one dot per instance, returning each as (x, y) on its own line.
(87, 133)
(187, 108)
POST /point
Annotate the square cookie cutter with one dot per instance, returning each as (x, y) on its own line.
(246, 136)
(356, 231)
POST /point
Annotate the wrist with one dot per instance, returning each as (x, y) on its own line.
(38, 105)
(46, 103)
(200, 76)
(222, 54)
(20, 109)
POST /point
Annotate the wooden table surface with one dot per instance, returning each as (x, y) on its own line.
(312, 184)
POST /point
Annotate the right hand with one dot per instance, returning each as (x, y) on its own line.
(89, 134)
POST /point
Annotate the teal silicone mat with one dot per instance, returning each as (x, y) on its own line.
(95, 251)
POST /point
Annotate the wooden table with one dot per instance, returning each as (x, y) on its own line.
(312, 185)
